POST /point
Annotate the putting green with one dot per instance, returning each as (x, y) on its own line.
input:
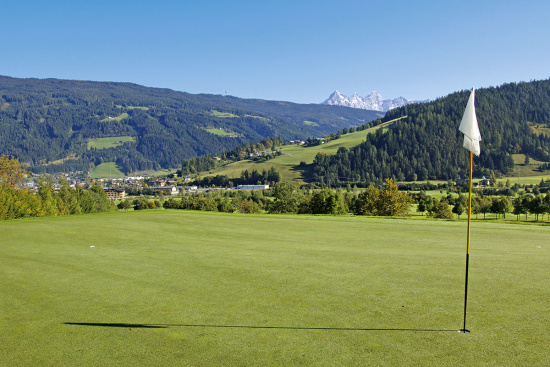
(195, 288)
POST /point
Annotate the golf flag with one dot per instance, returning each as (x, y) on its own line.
(472, 137)
(468, 126)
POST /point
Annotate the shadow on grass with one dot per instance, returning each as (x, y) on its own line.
(162, 326)
(123, 325)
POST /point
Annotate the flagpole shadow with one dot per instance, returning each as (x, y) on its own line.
(116, 324)
(163, 326)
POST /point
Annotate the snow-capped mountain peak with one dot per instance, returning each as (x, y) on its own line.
(374, 101)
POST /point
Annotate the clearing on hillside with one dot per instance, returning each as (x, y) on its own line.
(222, 114)
(117, 118)
(221, 132)
(104, 143)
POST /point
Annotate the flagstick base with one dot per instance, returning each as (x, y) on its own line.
(464, 331)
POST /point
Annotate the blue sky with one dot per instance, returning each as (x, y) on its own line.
(299, 51)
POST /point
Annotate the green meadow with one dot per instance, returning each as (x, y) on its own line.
(117, 118)
(171, 288)
(221, 132)
(111, 142)
(107, 170)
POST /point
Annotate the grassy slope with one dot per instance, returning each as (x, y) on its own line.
(106, 170)
(111, 142)
(288, 164)
(286, 290)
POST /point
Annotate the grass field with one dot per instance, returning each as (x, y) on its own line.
(529, 180)
(106, 170)
(527, 172)
(111, 142)
(540, 128)
(220, 132)
(117, 118)
(169, 288)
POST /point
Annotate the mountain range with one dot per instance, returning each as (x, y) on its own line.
(55, 125)
(373, 102)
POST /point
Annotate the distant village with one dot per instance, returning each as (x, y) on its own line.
(130, 186)
(145, 185)
(119, 188)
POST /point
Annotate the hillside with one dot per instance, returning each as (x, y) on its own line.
(58, 125)
(422, 142)
(288, 163)
(513, 118)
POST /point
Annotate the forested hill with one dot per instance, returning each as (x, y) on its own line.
(426, 144)
(62, 125)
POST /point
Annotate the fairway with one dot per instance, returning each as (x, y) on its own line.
(169, 288)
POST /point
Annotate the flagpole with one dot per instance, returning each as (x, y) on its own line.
(464, 330)
(472, 137)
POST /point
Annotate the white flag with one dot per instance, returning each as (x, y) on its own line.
(468, 126)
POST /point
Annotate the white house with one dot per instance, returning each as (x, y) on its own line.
(253, 187)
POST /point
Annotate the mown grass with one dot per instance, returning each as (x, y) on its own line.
(200, 289)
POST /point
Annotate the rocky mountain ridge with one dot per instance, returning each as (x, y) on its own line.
(373, 102)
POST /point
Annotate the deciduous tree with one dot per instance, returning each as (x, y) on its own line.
(11, 171)
(288, 198)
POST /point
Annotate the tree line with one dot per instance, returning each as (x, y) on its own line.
(291, 198)
(446, 206)
(253, 177)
